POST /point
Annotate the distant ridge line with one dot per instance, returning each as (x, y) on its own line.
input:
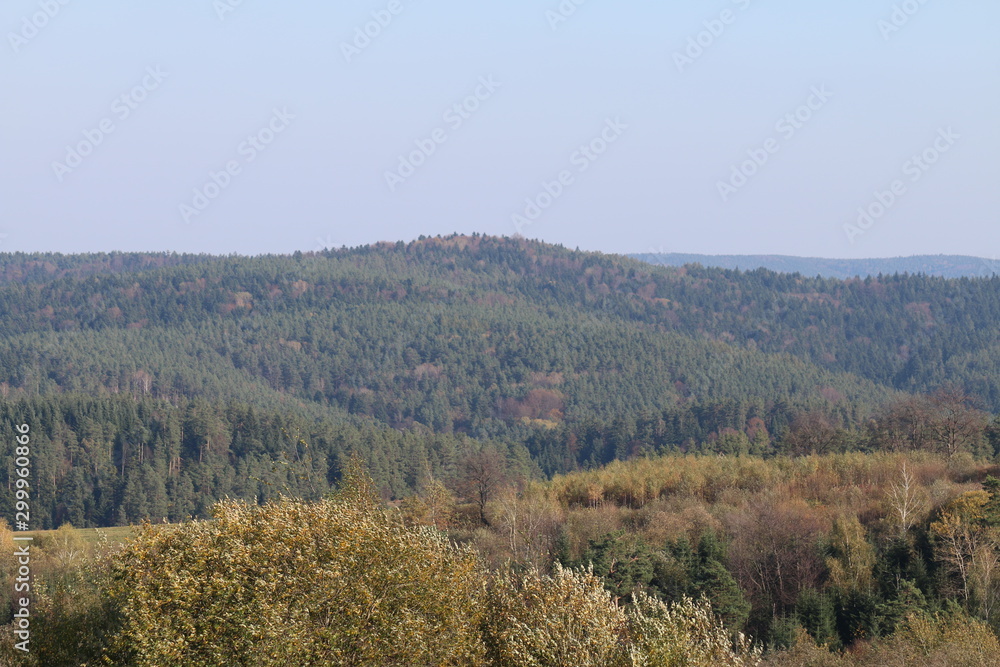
(945, 266)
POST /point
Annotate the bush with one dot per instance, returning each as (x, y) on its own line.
(570, 620)
(564, 620)
(338, 582)
(683, 634)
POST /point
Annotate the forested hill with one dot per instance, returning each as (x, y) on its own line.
(569, 358)
(361, 329)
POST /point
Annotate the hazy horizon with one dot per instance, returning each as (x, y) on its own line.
(855, 130)
(154, 251)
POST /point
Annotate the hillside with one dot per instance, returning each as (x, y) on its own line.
(141, 369)
(451, 334)
(339, 328)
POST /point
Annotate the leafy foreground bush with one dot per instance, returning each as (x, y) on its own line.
(570, 619)
(293, 583)
(344, 582)
(565, 619)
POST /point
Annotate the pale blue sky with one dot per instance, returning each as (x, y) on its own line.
(610, 67)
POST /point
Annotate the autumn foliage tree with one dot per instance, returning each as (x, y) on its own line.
(970, 547)
(569, 619)
(813, 433)
(957, 426)
(944, 421)
(774, 553)
(482, 474)
(339, 582)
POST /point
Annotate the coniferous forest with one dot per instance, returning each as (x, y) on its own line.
(595, 461)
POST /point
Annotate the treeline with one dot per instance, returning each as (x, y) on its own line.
(945, 421)
(947, 266)
(41, 267)
(121, 461)
(125, 459)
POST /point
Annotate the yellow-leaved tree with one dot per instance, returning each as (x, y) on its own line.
(569, 619)
(340, 582)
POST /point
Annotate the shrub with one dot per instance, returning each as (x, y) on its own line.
(338, 582)
(683, 634)
(564, 620)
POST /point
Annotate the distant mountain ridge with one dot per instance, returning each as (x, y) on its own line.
(945, 266)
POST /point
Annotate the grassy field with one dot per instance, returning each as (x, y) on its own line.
(115, 535)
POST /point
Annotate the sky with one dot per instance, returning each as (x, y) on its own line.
(859, 128)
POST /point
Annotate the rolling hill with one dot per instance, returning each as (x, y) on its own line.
(183, 377)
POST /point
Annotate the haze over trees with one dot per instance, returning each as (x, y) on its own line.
(945, 266)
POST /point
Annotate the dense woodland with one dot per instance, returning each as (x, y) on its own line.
(809, 462)
(160, 383)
